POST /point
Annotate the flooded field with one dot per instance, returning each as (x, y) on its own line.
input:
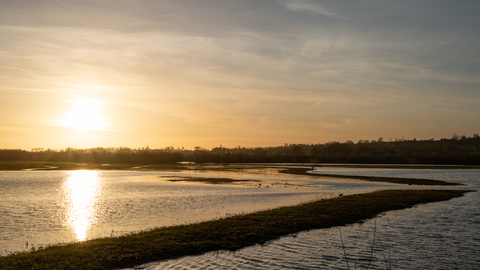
(40, 208)
(442, 235)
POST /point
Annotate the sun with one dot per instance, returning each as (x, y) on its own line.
(85, 114)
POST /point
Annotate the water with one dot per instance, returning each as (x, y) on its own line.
(49, 207)
(442, 235)
(42, 208)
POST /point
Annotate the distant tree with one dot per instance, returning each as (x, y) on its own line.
(297, 149)
(380, 139)
(260, 151)
(315, 151)
(314, 162)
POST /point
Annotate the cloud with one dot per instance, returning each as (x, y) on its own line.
(234, 64)
(308, 7)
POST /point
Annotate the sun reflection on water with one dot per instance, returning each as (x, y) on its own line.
(82, 190)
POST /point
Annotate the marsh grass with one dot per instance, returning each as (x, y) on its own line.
(230, 233)
(371, 247)
(208, 180)
(395, 180)
(47, 165)
(51, 166)
(397, 166)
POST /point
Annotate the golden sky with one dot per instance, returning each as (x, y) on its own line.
(139, 73)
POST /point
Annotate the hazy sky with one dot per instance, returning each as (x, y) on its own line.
(192, 73)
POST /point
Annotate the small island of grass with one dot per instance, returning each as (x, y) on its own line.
(207, 180)
(395, 180)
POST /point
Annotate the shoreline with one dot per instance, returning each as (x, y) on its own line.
(395, 180)
(231, 233)
(55, 166)
(293, 170)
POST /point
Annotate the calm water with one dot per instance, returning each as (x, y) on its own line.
(41, 208)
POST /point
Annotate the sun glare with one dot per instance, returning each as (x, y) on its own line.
(82, 190)
(85, 114)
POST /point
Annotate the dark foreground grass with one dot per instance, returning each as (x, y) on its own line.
(396, 180)
(230, 233)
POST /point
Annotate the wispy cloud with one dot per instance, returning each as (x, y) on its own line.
(309, 7)
(173, 69)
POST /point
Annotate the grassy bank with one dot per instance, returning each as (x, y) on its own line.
(52, 166)
(395, 180)
(230, 233)
(46, 165)
(400, 166)
(206, 180)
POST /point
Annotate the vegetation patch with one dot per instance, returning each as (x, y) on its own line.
(51, 166)
(395, 166)
(222, 168)
(459, 150)
(206, 180)
(231, 233)
(407, 181)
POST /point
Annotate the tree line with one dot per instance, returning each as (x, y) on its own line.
(98, 155)
(456, 150)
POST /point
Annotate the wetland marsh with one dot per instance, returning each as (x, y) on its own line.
(73, 206)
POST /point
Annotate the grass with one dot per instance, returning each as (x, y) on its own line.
(396, 180)
(225, 167)
(399, 166)
(207, 180)
(39, 165)
(231, 233)
(371, 244)
(45, 165)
